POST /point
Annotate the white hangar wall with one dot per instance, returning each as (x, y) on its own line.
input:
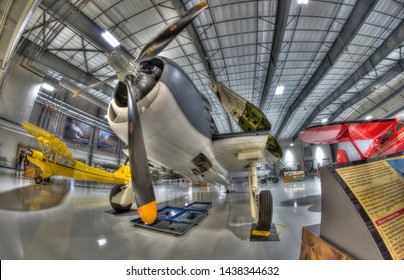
(303, 153)
(350, 149)
(19, 93)
(17, 101)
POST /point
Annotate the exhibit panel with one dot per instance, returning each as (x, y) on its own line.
(363, 207)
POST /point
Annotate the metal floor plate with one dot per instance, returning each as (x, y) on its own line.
(177, 220)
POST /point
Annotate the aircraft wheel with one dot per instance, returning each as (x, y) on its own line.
(275, 180)
(117, 207)
(38, 180)
(265, 210)
(47, 180)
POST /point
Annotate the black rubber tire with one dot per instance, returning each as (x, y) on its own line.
(38, 180)
(265, 210)
(117, 207)
(275, 180)
(47, 180)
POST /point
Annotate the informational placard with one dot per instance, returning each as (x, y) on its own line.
(379, 187)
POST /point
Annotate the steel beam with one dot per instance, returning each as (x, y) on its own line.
(385, 78)
(179, 7)
(282, 14)
(355, 21)
(389, 45)
(27, 48)
(13, 20)
(392, 113)
(390, 74)
(394, 94)
(195, 39)
(78, 21)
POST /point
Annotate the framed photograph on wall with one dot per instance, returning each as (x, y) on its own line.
(77, 131)
(107, 141)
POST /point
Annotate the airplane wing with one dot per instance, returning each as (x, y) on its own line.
(227, 147)
(48, 140)
(346, 131)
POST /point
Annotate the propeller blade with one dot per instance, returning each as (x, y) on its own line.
(165, 36)
(140, 174)
(87, 88)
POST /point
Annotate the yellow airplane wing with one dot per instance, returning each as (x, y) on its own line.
(48, 140)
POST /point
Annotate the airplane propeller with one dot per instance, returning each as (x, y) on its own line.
(166, 35)
(128, 72)
(140, 174)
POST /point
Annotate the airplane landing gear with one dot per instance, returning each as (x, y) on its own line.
(38, 180)
(118, 190)
(260, 202)
(275, 180)
(265, 210)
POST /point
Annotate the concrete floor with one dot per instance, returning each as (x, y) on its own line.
(70, 220)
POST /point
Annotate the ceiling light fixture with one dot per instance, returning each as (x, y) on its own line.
(279, 90)
(291, 144)
(110, 39)
(324, 120)
(48, 87)
(302, 1)
(369, 117)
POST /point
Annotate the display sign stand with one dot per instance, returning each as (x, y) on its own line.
(313, 247)
(362, 208)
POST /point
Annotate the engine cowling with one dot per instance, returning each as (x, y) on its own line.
(147, 85)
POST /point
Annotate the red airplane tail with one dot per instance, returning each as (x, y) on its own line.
(341, 156)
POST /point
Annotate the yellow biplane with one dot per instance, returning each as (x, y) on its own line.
(56, 159)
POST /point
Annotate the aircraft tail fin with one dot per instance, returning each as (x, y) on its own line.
(341, 156)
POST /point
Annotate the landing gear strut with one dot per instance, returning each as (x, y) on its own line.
(117, 193)
(265, 205)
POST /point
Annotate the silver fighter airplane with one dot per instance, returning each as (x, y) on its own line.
(160, 114)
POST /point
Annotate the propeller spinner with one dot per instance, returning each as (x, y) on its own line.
(128, 72)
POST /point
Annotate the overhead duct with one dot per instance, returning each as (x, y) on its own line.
(69, 110)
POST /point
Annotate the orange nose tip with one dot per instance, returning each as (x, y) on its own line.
(203, 4)
(148, 212)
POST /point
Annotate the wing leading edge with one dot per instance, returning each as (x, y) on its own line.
(48, 140)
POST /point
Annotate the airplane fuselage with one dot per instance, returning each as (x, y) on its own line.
(77, 170)
(390, 142)
(176, 122)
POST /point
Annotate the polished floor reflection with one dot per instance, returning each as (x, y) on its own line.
(72, 220)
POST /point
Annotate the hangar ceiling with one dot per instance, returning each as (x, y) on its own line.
(336, 59)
